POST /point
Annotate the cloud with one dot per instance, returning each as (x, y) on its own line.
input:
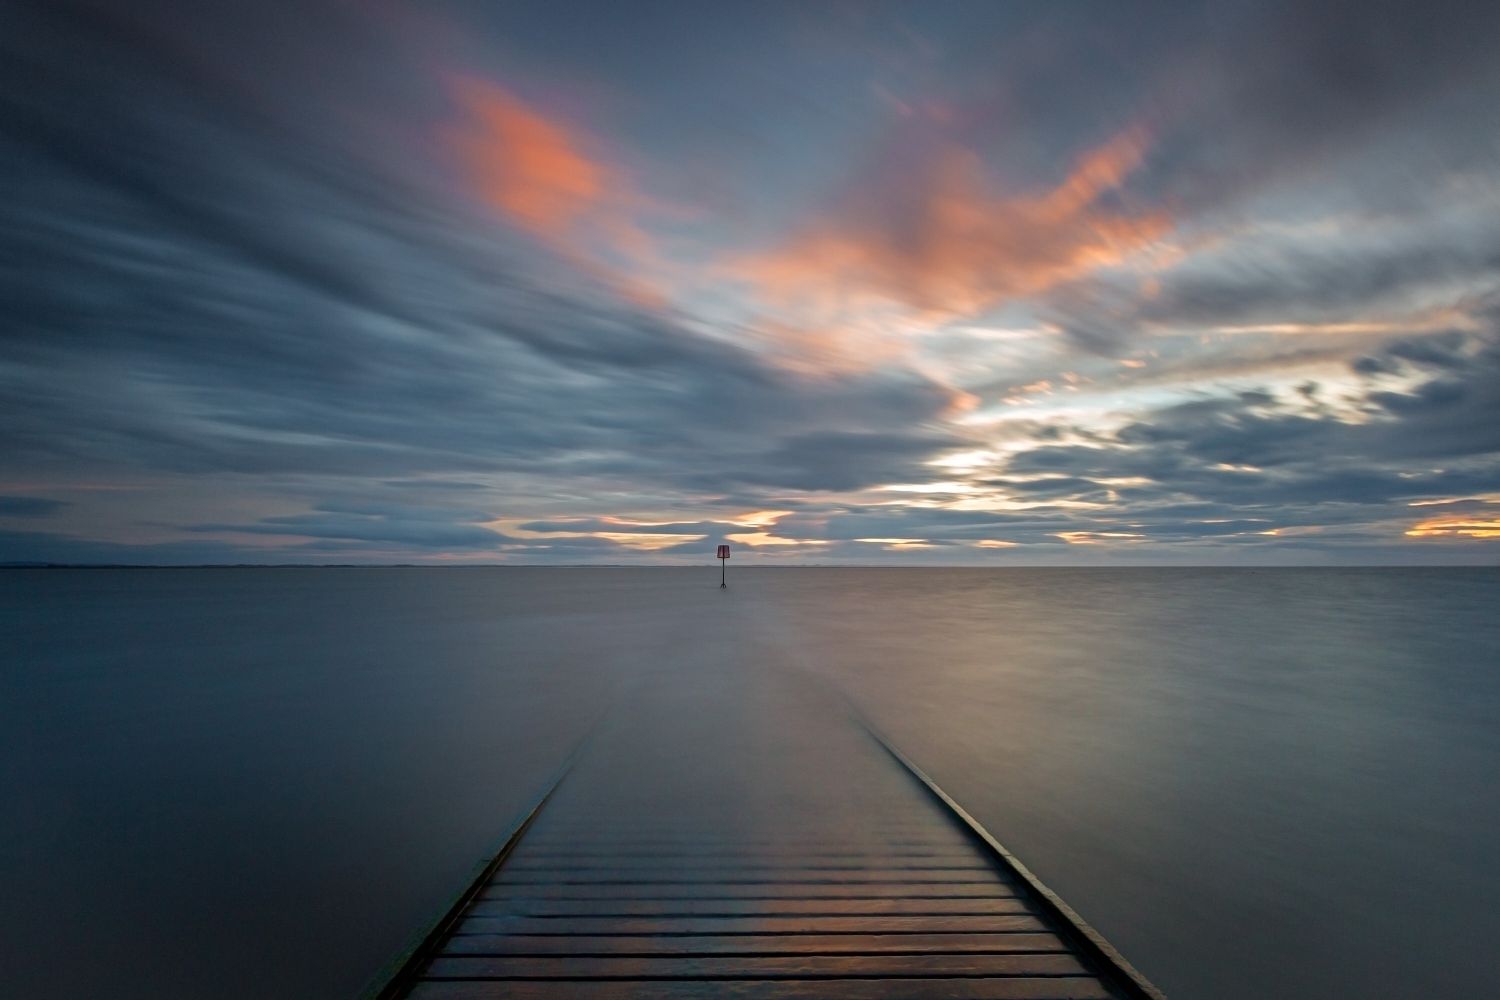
(547, 178)
(618, 525)
(1425, 269)
(1457, 527)
(21, 548)
(1322, 164)
(1269, 93)
(928, 230)
(843, 460)
(402, 526)
(322, 315)
(1419, 264)
(528, 166)
(1256, 463)
(18, 506)
(932, 524)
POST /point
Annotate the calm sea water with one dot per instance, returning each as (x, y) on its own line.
(258, 783)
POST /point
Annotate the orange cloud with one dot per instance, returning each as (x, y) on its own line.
(1097, 537)
(758, 539)
(1101, 169)
(939, 243)
(548, 178)
(760, 518)
(1456, 527)
(814, 349)
(641, 540)
(531, 168)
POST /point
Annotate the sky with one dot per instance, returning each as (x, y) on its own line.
(943, 283)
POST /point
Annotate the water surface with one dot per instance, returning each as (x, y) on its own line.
(252, 783)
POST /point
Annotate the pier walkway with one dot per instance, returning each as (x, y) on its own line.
(746, 836)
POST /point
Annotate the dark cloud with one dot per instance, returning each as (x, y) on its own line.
(1286, 88)
(18, 548)
(841, 460)
(927, 524)
(14, 506)
(588, 524)
(1298, 283)
(1360, 118)
(1252, 463)
(1436, 258)
(414, 527)
(435, 485)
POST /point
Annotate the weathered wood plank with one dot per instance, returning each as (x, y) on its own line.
(583, 876)
(788, 867)
(892, 906)
(749, 944)
(756, 967)
(753, 890)
(915, 825)
(943, 838)
(958, 846)
(884, 859)
(1053, 988)
(609, 853)
(746, 925)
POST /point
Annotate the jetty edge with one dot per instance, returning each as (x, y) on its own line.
(1084, 937)
(394, 978)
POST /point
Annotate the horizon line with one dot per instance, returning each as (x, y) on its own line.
(709, 566)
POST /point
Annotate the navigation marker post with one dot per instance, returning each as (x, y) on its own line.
(723, 555)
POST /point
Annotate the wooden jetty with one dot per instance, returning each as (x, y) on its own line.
(755, 845)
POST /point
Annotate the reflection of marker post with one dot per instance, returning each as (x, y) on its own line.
(723, 555)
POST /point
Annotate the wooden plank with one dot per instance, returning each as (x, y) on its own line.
(572, 876)
(753, 890)
(1052, 988)
(749, 944)
(746, 925)
(946, 845)
(761, 856)
(813, 826)
(891, 906)
(789, 867)
(768, 852)
(946, 841)
(755, 967)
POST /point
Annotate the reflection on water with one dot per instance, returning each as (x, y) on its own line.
(1252, 781)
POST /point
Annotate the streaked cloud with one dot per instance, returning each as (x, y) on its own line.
(1455, 527)
(928, 235)
(29, 507)
(528, 166)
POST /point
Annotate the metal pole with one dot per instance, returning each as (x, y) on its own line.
(722, 564)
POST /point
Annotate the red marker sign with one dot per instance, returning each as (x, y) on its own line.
(723, 554)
